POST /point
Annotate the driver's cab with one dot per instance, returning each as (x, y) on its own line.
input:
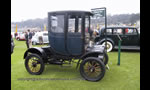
(69, 31)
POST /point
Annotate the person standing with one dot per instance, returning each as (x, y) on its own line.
(33, 33)
(16, 34)
(29, 38)
(40, 38)
(26, 37)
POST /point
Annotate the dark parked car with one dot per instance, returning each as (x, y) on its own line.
(129, 35)
(12, 45)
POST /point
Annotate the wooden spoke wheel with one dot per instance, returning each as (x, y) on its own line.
(34, 64)
(92, 69)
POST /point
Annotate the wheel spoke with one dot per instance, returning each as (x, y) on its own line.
(92, 69)
(89, 64)
(34, 69)
(34, 64)
(38, 67)
(86, 69)
(92, 63)
(31, 69)
(98, 66)
(97, 70)
(97, 73)
(89, 74)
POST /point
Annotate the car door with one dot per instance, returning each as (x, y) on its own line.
(74, 35)
(132, 35)
(56, 36)
(116, 32)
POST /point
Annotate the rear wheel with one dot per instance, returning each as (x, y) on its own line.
(92, 69)
(34, 64)
(109, 46)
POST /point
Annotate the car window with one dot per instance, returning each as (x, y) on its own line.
(109, 31)
(57, 23)
(118, 31)
(74, 24)
(130, 31)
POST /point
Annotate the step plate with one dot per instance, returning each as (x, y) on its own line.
(128, 47)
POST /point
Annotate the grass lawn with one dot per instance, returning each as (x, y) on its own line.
(123, 77)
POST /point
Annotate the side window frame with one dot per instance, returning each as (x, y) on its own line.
(76, 25)
(133, 32)
(109, 33)
(117, 31)
(63, 26)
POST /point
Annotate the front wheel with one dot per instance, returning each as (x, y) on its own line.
(34, 64)
(92, 69)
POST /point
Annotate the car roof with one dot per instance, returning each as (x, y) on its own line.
(117, 27)
(71, 12)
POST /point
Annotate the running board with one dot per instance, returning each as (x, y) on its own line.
(128, 47)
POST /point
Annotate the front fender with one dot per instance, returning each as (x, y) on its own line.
(36, 50)
(108, 39)
(92, 54)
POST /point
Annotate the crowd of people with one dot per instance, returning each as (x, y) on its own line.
(29, 34)
(28, 37)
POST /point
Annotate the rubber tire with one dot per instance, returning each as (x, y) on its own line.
(111, 46)
(41, 62)
(106, 58)
(102, 68)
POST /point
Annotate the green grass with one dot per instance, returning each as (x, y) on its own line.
(123, 77)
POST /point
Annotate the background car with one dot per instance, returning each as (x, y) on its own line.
(13, 34)
(35, 38)
(129, 35)
(20, 36)
(12, 44)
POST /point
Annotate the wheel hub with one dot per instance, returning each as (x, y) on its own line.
(108, 46)
(34, 64)
(92, 69)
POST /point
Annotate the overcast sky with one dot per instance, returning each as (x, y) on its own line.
(22, 10)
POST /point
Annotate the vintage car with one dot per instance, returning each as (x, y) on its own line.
(68, 42)
(35, 38)
(129, 35)
(20, 36)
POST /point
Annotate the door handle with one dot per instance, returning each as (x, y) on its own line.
(119, 37)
